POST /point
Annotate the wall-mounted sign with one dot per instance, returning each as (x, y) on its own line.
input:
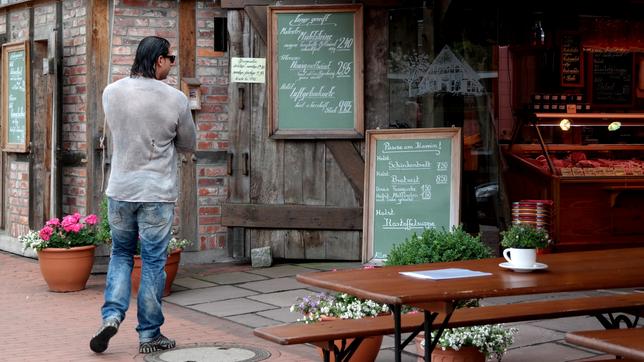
(247, 70)
(612, 79)
(413, 182)
(571, 62)
(15, 97)
(315, 71)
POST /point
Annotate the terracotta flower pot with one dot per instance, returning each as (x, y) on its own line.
(171, 268)
(465, 354)
(366, 352)
(66, 270)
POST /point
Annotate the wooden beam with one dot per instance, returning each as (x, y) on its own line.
(187, 49)
(351, 163)
(257, 16)
(187, 43)
(41, 106)
(291, 217)
(376, 84)
(98, 42)
(240, 4)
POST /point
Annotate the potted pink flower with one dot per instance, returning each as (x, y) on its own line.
(65, 250)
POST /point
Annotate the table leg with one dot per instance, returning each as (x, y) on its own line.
(429, 319)
(397, 333)
(615, 320)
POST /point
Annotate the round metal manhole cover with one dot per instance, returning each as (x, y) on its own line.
(214, 352)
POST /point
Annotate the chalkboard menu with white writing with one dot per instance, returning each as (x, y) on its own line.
(15, 96)
(572, 61)
(612, 75)
(413, 184)
(315, 71)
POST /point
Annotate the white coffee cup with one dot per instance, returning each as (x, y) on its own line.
(522, 258)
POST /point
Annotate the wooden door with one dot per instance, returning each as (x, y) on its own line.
(303, 198)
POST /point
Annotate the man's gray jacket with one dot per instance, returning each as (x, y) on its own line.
(149, 120)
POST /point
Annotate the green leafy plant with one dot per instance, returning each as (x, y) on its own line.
(524, 236)
(73, 230)
(338, 305)
(178, 244)
(434, 246)
(492, 339)
(103, 229)
(173, 245)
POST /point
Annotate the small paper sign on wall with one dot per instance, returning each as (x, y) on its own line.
(248, 70)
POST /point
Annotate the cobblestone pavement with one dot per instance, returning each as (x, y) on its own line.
(210, 303)
(38, 325)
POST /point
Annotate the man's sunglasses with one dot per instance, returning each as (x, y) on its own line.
(171, 57)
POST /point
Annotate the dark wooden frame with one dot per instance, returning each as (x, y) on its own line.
(358, 81)
(453, 133)
(6, 50)
(580, 53)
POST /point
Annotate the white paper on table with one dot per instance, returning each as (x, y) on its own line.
(450, 273)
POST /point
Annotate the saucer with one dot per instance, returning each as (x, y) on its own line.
(536, 266)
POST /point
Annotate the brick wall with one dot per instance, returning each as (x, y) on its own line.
(19, 20)
(74, 190)
(17, 186)
(18, 198)
(3, 22)
(74, 102)
(212, 127)
(44, 20)
(133, 21)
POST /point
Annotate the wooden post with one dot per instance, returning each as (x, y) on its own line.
(39, 158)
(239, 133)
(97, 60)
(187, 202)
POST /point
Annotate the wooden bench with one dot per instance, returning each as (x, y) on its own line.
(323, 334)
(627, 343)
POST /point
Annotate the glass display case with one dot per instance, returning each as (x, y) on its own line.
(592, 166)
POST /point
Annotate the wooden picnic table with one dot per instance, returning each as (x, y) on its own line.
(566, 272)
(628, 343)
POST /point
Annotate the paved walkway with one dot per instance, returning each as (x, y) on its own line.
(210, 303)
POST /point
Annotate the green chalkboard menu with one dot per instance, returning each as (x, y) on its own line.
(413, 181)
(15, 97)
(612, 79)
(315, 73)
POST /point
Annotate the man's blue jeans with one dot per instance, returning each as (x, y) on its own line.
(151, 222)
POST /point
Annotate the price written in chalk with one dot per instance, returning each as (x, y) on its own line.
(316, 69)
(16, 98)
(413, 185)
(410, 173)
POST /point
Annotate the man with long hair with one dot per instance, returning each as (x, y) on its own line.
(149, 121)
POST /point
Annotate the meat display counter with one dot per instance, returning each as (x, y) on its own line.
(591, 165)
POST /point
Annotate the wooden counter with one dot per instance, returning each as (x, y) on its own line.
(588, 212)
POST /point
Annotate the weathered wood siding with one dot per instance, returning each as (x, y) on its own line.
(285, 172)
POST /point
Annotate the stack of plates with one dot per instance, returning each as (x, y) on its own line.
(537, 213)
